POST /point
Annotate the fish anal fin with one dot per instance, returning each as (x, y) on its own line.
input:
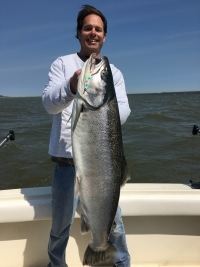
(84, 226)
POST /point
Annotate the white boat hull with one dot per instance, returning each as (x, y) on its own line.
(162, 224)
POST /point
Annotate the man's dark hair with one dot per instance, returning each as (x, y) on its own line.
(88, 10)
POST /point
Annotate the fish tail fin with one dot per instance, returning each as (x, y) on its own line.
(99, 257)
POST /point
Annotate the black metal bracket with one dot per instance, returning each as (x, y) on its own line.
(10, 136)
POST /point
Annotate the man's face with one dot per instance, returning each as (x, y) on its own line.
(92, 35)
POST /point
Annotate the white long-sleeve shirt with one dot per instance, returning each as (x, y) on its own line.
(57, 99)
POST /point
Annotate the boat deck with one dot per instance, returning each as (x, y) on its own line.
(161, 265)
(161, 221)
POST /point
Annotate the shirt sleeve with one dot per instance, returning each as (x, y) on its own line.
(57, 94)
(122, 99)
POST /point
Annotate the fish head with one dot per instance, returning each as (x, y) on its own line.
(94, 80)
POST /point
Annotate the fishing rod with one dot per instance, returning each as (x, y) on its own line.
(195, 185)
(195, 130)
(10, 136)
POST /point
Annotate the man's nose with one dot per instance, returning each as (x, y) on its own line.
(93, 31)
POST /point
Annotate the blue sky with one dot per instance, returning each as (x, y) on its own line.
(155, 43)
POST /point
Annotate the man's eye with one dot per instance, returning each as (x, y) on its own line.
(87, 28)
(98, 29)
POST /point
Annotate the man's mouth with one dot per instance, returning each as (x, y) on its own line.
(92, 41)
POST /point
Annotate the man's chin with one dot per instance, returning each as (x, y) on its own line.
(93, 50)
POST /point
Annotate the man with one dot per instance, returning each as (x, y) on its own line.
(58, 100)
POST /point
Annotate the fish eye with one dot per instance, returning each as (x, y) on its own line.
(104, 74)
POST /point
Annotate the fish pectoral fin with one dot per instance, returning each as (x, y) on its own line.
(77, 109)
(84, 225)
(100, 257)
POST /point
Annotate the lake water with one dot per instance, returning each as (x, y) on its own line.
(158, 140)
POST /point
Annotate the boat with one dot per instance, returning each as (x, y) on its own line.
(162, 223)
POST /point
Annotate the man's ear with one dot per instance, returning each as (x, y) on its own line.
(78, 35)
(104, 39)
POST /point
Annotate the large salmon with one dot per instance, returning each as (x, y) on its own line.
(98, 155)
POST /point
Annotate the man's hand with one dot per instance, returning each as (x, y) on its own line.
(74, 81)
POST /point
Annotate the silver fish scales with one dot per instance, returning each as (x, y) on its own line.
(99, 157)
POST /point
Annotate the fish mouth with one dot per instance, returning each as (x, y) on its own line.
(93, 83)
(93, 69)
(95, 63)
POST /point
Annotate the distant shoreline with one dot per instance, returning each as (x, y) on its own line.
(136, 93)
(164, 92)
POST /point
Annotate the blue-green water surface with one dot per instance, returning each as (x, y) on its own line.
(158, 140)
